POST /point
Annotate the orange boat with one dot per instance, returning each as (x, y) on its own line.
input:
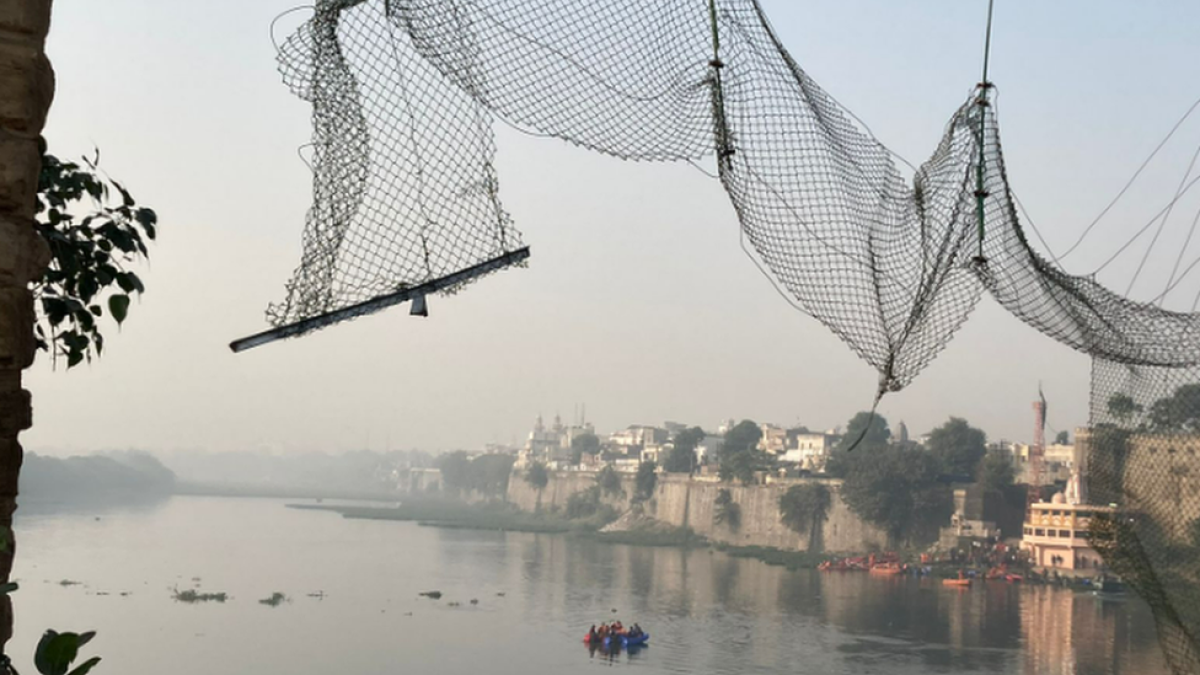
(887, 568)
(956, 582)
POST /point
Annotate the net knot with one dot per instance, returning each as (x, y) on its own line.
(716, 63)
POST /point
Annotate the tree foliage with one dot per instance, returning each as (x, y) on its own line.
(609, 482)
(996, 472)
(486, 474)
(645, 481)
(682, 458)
(93, 238)
(871, 428)
(740, 456)
(584, 444)
(958, 447)
(1178, 413)
(898, 489)
(804, 508)
(1062, 438)
(584, 504)
(726, 511)
(537, 476)
(1122, 407)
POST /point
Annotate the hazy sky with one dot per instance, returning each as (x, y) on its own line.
(638, 300)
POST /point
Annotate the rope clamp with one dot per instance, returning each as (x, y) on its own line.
(717, 63)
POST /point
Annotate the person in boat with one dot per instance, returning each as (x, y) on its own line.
(635, 631)
(593, 636)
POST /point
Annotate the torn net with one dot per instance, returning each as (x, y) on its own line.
(404, 190)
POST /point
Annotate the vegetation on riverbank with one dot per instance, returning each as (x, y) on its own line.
(792, 560)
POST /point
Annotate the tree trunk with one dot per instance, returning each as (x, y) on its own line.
(26, 88)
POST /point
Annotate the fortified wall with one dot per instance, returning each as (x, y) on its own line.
(689, 502)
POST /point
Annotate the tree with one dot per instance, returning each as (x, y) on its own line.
(682, 458)
(1122, 407)
(804, 509)
(1062, 438)
(456, 471)
(1178, 413)
(726, 511)
(958, 447)
(609, 482)
(90, 250)
(645, 481)
(584, 444)
(743, 437)
(871, 427)
(740, 456)
(537, 476)
(869, 430)
(899, 490)
(996, 472)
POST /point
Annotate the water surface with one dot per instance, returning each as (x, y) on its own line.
(537, 595)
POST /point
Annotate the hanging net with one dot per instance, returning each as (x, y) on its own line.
(403, 94)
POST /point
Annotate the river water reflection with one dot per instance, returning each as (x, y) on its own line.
(536, 596)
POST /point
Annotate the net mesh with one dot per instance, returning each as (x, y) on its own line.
(404, 190)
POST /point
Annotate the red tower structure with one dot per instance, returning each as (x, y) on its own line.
(1037, 451)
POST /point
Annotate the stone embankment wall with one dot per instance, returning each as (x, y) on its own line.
(685, 502)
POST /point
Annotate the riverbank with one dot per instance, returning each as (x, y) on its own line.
(503, 517)
(500, 516)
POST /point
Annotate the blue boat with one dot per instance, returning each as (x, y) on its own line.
(628, 641)
(635, 641)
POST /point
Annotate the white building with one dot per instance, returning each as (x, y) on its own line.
(810, 451)
(551, 445)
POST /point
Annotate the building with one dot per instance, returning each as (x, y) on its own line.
(1057, 535)
(809, 451)
(774, 440)
(967, 520)
(551, 445)
(1058, 460)
(630, 442)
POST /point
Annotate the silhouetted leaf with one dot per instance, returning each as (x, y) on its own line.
(118, 306)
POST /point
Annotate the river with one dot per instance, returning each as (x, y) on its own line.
(536, 596)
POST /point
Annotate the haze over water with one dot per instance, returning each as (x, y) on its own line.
(706, 612)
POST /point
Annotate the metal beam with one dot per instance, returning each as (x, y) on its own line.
(380, 302)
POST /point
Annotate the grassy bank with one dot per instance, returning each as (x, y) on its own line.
(505, 518)
(793, 560)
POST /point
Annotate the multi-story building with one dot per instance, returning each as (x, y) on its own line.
(630, 442)
(1057, 534)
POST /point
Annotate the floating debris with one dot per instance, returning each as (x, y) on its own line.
(499, 594)
(191, 595)
(454, 604)
(474, 601)
(275, 600)
(432, 595)
(69, 582)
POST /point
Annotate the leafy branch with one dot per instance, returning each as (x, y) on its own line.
(94, 229)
